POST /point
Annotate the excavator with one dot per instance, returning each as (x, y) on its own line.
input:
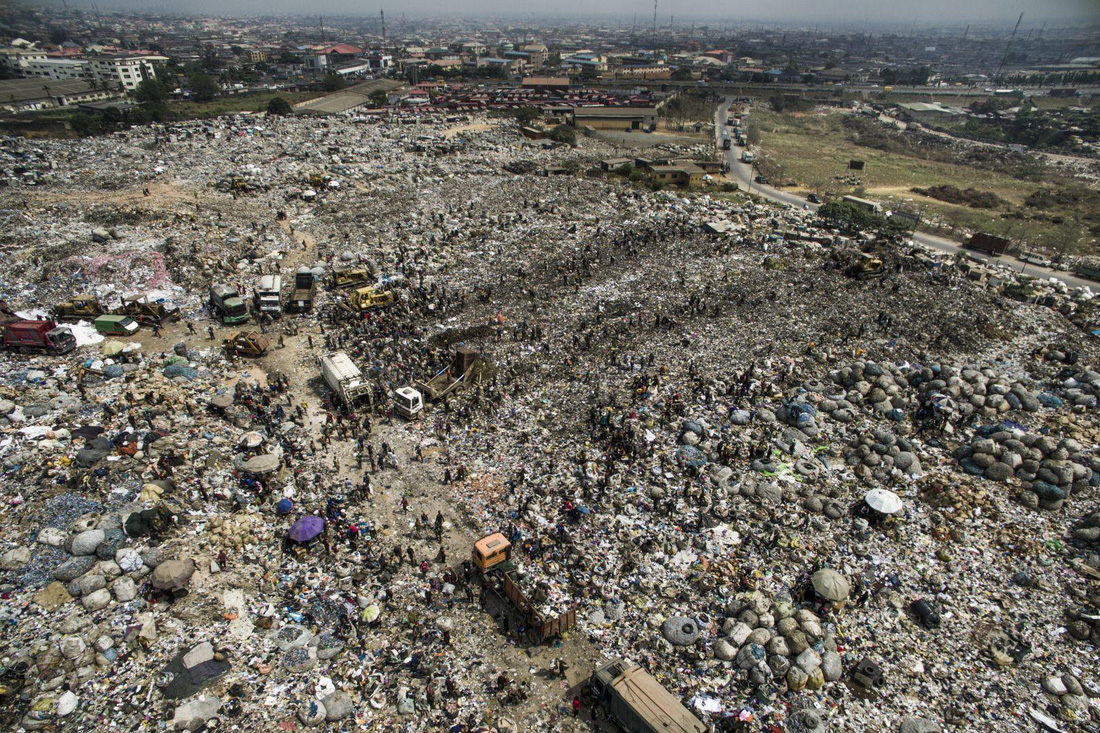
(247, 343)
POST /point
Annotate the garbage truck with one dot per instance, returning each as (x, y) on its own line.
(227, 304)
(492, 556)
(305, 287)
(638, 702)
(268, 295)
(32, 336)
(343, 377)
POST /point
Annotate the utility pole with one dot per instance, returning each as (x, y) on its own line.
(1009, 46)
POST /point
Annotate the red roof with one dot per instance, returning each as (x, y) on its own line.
(343, 49)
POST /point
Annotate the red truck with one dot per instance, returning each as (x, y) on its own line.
(38, 336)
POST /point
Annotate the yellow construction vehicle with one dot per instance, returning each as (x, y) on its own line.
(346, 276)
(492, 556)
(78, 308)
(368, 298)
(247, 343)
(145, 311)
(865, 267)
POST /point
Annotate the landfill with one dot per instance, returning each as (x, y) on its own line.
(801, 500)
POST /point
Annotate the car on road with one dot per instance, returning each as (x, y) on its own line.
(760, 179)
(813, 198)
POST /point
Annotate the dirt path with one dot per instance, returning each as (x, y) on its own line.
(476, 635)
(453, 132)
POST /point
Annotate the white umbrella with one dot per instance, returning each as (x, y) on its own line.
(883, 501)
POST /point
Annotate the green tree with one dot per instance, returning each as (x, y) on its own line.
(527, 114)
(151, 92)
(851, 217)
(564, 134)
(203, 87)
(378, 98)
(278, 106)
(682, 74)
(333, 83)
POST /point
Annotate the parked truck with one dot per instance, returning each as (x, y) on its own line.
(726, 143)
(747, 157)
(268, 296)
(987, 243)
(305, 288)
(32, 336)
(344, 378)
(226, 303)
(1087, 270)
(638, 702)
(492, 556)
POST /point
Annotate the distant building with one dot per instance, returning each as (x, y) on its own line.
(18, 59)
(549, 83)
(379, 60)
(124, 72)
(681, 174)
(23, 95)
(58, 68)
(615, 118)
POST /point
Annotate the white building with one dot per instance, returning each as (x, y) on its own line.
(124, 72)
(18, 59)
(58, 68)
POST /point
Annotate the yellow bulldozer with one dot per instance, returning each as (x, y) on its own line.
(865, 267)
(78, 308)
(346, 276)
(368, 298)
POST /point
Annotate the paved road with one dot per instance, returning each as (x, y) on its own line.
(744, 174)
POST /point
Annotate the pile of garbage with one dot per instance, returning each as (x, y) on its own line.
(1049, 470)
(772, 485)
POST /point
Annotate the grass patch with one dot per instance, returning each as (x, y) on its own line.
(255, 102)
(811, 152)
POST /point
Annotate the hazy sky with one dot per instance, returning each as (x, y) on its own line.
(926, 12)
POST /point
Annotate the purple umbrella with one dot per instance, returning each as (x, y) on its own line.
(306, 529)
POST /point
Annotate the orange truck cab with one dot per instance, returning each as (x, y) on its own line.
(491, 550)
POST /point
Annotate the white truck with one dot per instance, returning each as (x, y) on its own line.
(269, 295)
(343, 377)
(747, 157)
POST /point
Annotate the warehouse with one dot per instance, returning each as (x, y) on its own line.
(615, 118)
